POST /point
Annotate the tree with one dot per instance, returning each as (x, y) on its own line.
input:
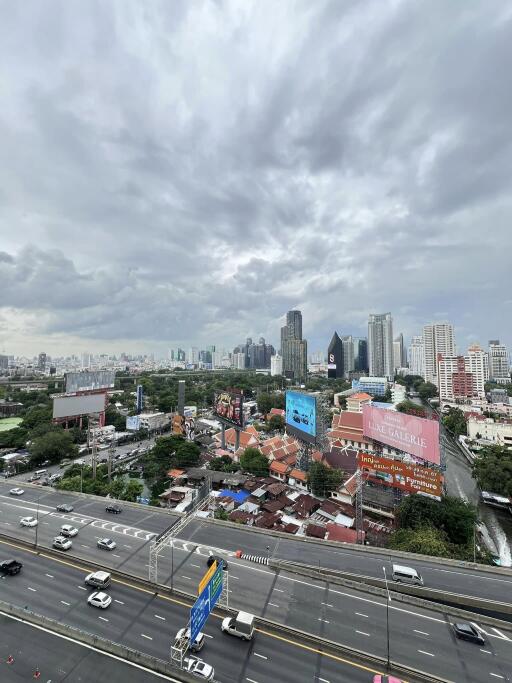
(427, 390)
(37, 415)
(253, 461)
(132, 491)
(493, 470)
(116, 488)
(53, 446)
(276, 423)
(455, 421)
(454, 516)
(221, 514)
(265, 403)
(114, 417)
(223, 464)
(425, 540)
(411, 408)
(323, 480)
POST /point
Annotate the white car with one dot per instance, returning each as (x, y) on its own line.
(99, 599)
(68, 530)
(16, 492)
(198, 642)
(28, 521)
(62, 543)
(199, 668)
(106, 544)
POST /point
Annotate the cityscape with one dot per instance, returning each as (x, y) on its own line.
(256, 342)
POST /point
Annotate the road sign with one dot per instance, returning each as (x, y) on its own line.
(208, 575)
(205, 603)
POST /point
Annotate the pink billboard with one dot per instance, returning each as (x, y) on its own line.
(414, 435)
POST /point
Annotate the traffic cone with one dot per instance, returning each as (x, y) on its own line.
(37, 673)
(10, 659)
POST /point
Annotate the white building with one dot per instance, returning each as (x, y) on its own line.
(437, 338)
(399, 353)
(477, 362)
(486, 428)
(398, 393)
(499, 370)
(347, 343)
(276, 365)
(380, 345)
(417, 356)
(446, 367)
(238, 361)
(153, 420)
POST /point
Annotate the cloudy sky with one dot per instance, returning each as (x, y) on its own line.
(185, 172)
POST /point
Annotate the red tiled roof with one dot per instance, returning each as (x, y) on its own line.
(290, 460)
(353, 420)
(360, 396)
(279, 467)
(290, 528)
(315, 531)
(347, 434)
(298, 474)
(336, 532)
(277, 411)
(351, 485)
(279, 454)
(174, 474)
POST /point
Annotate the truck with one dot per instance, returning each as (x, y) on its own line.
(10, 567)
(242, 625)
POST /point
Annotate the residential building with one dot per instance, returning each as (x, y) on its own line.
(360, 354)
(499, 370)
(238, 360)
(193, 355)
(4, 362)
(398, 393)
(399, 353)
(335, 357)
(454, 382)
(356, 402)
(480, 427)
(417, 356)
(348, 355)
(153, 420)
(498, 396)
(276, 365)
(438, 338)
(41, 362)
(477, 362)
(380, 345)
(294, 349)
(376, 386)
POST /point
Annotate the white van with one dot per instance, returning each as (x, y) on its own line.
(406, 575)
(40, 473)
(241, 626)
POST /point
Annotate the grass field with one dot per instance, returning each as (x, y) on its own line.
(9, 423)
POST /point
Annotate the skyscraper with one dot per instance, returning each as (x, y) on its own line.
(399, 353)
(498, 362)
(294, 349)
(361, 354)
(380, 345)
(417, 356)
(41, 361)
(348, 355)
(335, 357)
(477, 363)
(438, 338)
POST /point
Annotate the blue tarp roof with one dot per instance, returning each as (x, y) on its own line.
(238, 496)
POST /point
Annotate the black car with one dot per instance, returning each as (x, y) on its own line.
(10, 567)
(65, 507)
(114, 509)
(221, 562)
(466, 631)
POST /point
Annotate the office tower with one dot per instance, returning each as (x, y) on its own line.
(335, 357)
(41, 362)
(399, 353)
(438, 338)
(361, 354)
(348, 355)
(294, 349)
(380, 345)
(239, 361)
(499, 370)
(417, 356)
(4, 362)
(181, 355)
(477, 363)
(276, 365)
(193, 355)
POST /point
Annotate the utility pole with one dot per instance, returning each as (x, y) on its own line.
(388, 600)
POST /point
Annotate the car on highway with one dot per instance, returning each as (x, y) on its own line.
(221, 562)
(99, 599)
(28, 521)
(198, 642)
(199, 668)
(10, 567)
(114, 509)
(106, 544)
(68, 530)
(34, 477)
(16, 492)
(98, 579)
(62, 543)
(466, 631)
(64, 507)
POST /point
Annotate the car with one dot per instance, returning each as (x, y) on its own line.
(199, 668)
(45, 463)
(34, 477)
(114, 509)
(106, 544)
(16, 492)
(466, 631)
(62, 543)
(221, 562)
(99, 599)
(198, 642)
(98, 579)
(386, 679)
(10, 567)
(64, 507)
(28, 521)
(68, 531)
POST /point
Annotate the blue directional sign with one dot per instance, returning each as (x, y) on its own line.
(204, 604)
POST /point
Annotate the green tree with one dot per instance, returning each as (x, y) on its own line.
(37, 415)
(116, 488)
(114, 417)
(493, 470)
(132, 491)
(455, 421)
(221, 514)
(427, 390)
(253, 461)
(323, 480)
(53, 446)
(265, 403)
(453, 516)
(425, 540)
(411, 408)
(276, 423)
(223, 464)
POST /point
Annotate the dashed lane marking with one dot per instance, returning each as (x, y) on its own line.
(157, 616)
(421, 632)
(68, 604)
(362, 633)
(426, 653)
(145, 636)
(360, 614)
(258, 655)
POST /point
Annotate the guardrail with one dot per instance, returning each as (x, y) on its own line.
(267, 626)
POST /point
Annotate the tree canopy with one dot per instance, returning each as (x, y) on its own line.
(323, 479)
(53, 446)
(253, 461)
(455, 421)
(493, 470)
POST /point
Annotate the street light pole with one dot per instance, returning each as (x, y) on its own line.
(37, 516)
(172, 564)
(388, 600)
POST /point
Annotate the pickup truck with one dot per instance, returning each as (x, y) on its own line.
(10, 567)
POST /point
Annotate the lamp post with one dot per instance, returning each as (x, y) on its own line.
(388, 600)
(37, 516)
(172, 564)
(268, 554)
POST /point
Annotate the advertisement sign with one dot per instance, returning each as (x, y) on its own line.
(205, 603)
(301, 415)
(400, 475)
(133, 423)
(178, 424)
(89, 380)
(73, 406)
(228, 405)
(407, 433)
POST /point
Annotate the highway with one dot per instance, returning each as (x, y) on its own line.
(418, 638)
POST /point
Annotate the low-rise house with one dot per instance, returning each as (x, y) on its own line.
(279, 470)
(305, 506)
(335, 532)
(315, 531)
(299, 479)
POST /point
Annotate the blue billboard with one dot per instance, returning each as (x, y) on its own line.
(133, 423)
(205, 603)
(301, 415)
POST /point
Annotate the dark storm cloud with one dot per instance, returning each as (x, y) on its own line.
(186, 172)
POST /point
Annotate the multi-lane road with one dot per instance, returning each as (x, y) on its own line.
(419, 638)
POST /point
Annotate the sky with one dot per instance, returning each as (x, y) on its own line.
(183, 173)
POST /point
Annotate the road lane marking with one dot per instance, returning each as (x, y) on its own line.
(49, 576)
(186, 577)
(237, 578)
(360, 614)
(103, 618)
(198, 567)
(127, 546)
(326, 604)
(421, 632)
(66, 603)
(279, 590)
(82, 588)
(487, 578)
(251, 680)
(487, 652)
(84, 546)
(113, 555)
(145, 636)
(258, 655)
(157, 616)
(324, 620)
(426, 653)
(207, 636)
(119, 602)
(497, 676)
(324, 680)
(363, 633)
(34, 590)
(502, 635)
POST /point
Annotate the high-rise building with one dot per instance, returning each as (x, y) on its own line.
(360, 354)
(477, 363)
(193, 355)
(380, 345)
(294, 349)
(41, 362)
(499, 370)
(238, 361)
(417, 356)
(348, 355)
(276, 365)
(454, 381)
(335, 357)
(257, 356)
(399, 353)
(438, 338)
(4, 362)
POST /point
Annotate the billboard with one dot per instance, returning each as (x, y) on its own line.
(73, 406)
(178, 424)
(301, 416)
(133, 423)
(407, 433)
(401, 475)
(89, 380)
(228, 405)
